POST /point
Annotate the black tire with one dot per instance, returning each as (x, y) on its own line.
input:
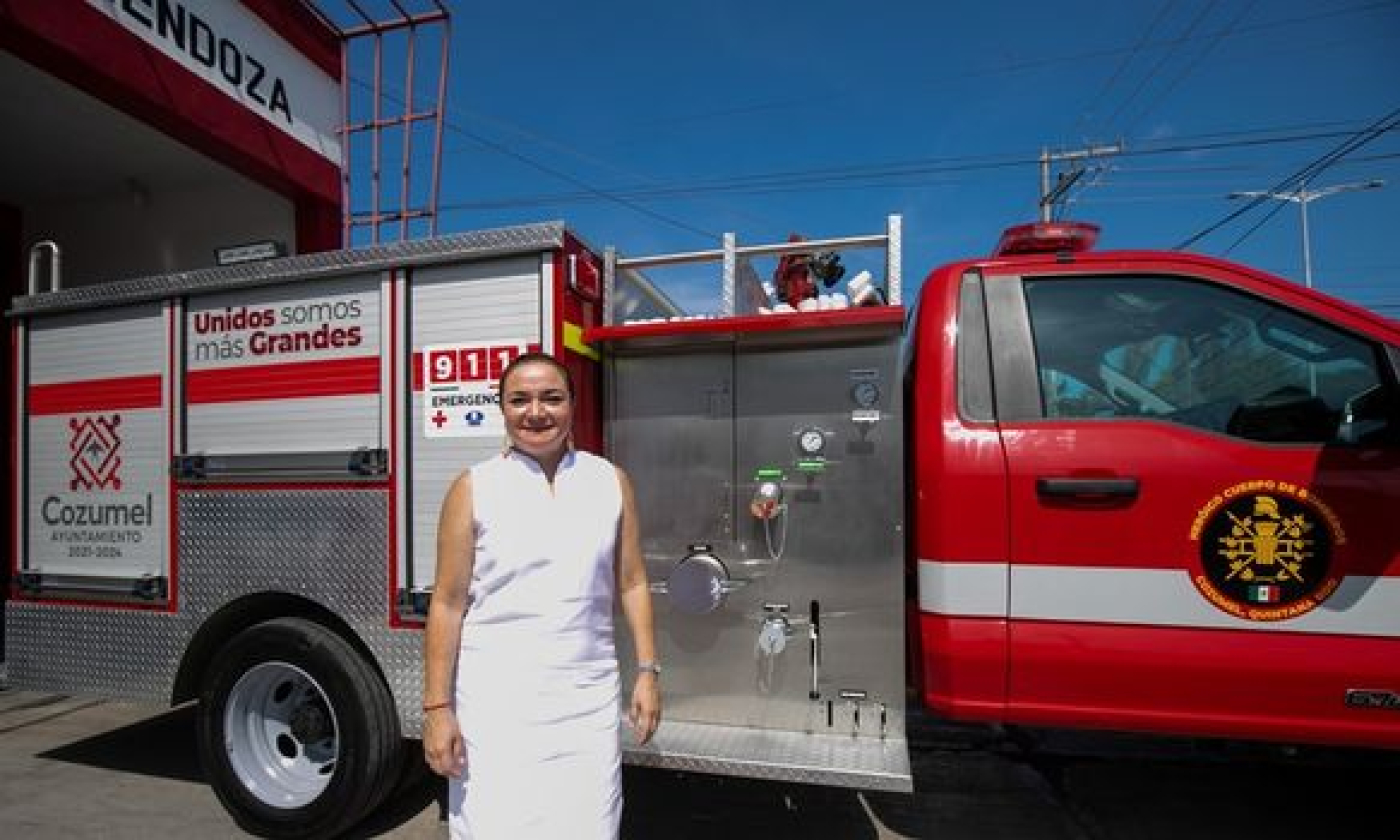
(298, 734)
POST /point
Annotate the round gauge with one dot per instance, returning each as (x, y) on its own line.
(811, 441)
(866, 394)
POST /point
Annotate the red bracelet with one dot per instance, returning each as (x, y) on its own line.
(433, 707)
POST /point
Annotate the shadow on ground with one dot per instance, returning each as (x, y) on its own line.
(162, 746)
(165, 746)
(970, 783)
(979, 782)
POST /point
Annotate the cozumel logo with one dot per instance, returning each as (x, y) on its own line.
(94, 446)
(1265, 550)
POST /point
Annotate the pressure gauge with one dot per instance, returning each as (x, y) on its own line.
(811, 441)
(866, 393)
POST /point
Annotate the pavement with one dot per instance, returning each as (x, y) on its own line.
(75, 768)
(81, 768)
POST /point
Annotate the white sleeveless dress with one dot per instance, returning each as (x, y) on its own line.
(537, 681)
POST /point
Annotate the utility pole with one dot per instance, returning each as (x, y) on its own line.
(1303, 197)
(1050, 197)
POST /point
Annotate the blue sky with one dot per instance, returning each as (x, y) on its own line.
(655, 126)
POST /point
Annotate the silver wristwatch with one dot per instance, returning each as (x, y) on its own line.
(654, 667)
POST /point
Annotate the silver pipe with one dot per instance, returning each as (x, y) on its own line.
(731, 261)
(609, 287)
(895, 263)
(671, 259)
(803, 247)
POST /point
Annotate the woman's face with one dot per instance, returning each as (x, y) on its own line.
(538, 410)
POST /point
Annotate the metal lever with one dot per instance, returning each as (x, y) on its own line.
(814, 637)
(854, 697)
(773, 635)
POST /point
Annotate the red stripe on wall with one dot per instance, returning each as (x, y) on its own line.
(118, 392)
(294, 380)
(83, 46)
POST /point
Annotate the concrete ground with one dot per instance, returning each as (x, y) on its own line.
(73, 768)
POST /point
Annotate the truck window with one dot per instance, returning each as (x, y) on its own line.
(1190, 352)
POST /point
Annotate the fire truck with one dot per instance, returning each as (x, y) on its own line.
(1134, 490)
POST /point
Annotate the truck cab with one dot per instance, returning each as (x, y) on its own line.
(1151, 491)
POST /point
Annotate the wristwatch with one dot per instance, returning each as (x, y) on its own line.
(654, 667)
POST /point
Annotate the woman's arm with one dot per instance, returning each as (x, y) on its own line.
(456, 546)
(634, 592)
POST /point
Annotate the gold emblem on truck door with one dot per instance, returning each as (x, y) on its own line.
(1265, 550)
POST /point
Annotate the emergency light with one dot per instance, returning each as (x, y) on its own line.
(1047, 238)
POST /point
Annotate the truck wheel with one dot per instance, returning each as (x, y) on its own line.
(297, 732)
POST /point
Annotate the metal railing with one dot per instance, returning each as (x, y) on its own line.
(389, 118)
(731, 252)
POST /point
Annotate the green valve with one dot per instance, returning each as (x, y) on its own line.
(765, 473)
(811, 466)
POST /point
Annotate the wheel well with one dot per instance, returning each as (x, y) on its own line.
(235, 617)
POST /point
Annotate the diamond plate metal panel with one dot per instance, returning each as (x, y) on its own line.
(466, 246)
(865, 762)
(327, 546)
(122, 654)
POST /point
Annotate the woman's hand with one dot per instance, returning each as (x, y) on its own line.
(443, 746)
(645, 712)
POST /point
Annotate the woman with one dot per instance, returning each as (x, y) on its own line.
(521, 690)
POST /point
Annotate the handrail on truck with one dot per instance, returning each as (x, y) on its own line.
(730, 252)
(36, 251)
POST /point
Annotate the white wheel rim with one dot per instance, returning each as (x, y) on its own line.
(281, 734)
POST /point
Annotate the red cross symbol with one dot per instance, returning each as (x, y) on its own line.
(439, 419)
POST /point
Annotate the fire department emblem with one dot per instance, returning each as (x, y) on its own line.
(94, 452)
(1265, 550)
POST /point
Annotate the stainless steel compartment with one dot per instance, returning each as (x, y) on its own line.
(803, 425)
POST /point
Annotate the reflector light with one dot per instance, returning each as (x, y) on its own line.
(1047, 238)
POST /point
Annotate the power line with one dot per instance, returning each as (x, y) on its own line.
(1189, 65)
(563, 176)
(606, 195)
(1166, 56)
(918, 171)
(1032, 64)
(1387, 123)
(1127, 59)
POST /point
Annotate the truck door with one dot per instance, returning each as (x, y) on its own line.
(1201, 482)
(93, 442)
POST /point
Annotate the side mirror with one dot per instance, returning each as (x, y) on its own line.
(1368, 417)
(1287, 415)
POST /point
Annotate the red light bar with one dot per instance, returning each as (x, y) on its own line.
(1047, 238)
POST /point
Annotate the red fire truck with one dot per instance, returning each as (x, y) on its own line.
(1143, 491)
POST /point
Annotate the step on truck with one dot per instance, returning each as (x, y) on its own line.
(1132, 490)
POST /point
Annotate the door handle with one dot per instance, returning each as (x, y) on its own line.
(1086, 489)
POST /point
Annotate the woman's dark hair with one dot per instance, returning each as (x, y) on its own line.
(538, 357)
